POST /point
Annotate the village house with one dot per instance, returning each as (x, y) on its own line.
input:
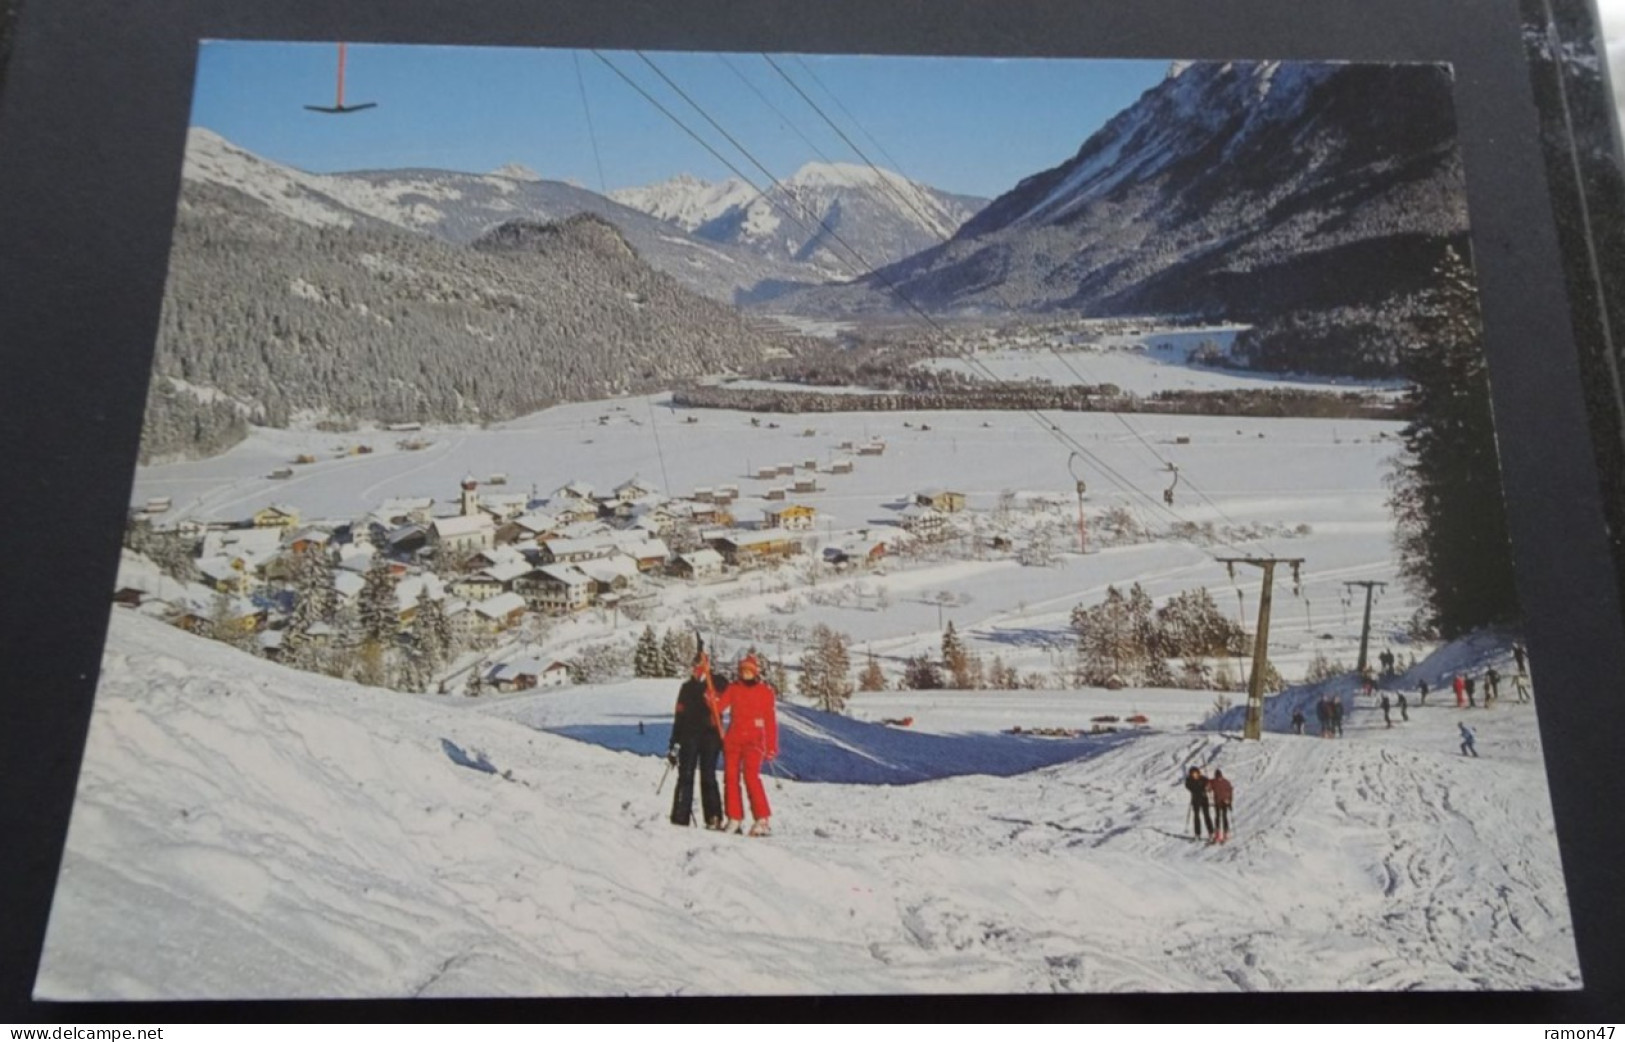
(841, 466)
(401, 511)
(569, 551)
(610, 575)
(557, 589)
(277, 515)
(861, 552)
(527, 527)
(749, 549)
(792, 516)
(805, 485)
(577, 491)
(941, 499)
(461, 618)
(633, 490)
(407, 540)
(505, 506)
(521, 675)
(698, 566)
(476, 587)
(502, 612)
(310, 539)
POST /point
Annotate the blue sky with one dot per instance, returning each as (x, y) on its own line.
(972, 125)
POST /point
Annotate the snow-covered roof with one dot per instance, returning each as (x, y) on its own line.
(348, 584)
(508, 571)
(501, 605)
(537, 522)
(525, 667)
(568, 574)
(755, 538)
(252, 543)
(608, 569)
(446, 527)
(701, 559)
(559, 547)
(572, 490)
(408, 589)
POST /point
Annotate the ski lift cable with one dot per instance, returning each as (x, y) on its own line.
(1008, 304)
(592, 134)
(1124, 484)
(786, 120)
(861, 128)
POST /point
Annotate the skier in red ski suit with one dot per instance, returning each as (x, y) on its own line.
(752, 736)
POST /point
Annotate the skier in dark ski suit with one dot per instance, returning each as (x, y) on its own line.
(1297, 721)
(1223, 793)
(1196, 784)
(1337, 716)
(696, 740)
(1386, 705)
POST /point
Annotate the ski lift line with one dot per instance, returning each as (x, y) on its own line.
(1123, 483)
(1009, 306)
(592, 134)
(786, 120)
(861, 128)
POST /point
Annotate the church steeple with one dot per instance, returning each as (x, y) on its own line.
(471, 497)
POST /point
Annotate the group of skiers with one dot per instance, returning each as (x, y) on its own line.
(1221, 792)
(1329, 711)
(750, 739)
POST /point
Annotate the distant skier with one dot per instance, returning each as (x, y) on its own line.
(1519, 656)
(1196, 784)
(1467, 741)
(1387, 720)
(1424, 699)
(752, 738)
(1520, 684)
(1337, 716)
(1471, 687)
(1222, 792)
(1297, 721)
(696, 739)
(1460, 686)
(1387, 660)
(1492, 689)
(1323, 712)
(1404, 714)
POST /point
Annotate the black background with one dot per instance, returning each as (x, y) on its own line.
(92, 127)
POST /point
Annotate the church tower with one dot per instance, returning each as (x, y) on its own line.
(471, 498)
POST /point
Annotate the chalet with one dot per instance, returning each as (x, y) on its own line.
(647, 554)
(573, 511)
(941, 499)
(465, 623)
(348, 586)
(356, 561)
(862, 552)
(506, 572)
(310, 539)
(557, 588)
(526, 527)
(400, 511)
(841, 466)
(482, 559)
(463, 533)
(727, 493)
(277, 515)
(776, 493)
(793, 516)
(501, 612)
(409, 592)
(805, 485)
(698, 566)
(569, 551)
(476, 587)
(873, 448)
(632, 490)
(703, 495)
(554, 674)
(504, 506)
(223, 573)
(809, 464)
(925, 522)
(766, 473)
(574, 491)
(610, 575)
(746, 549)
(786, 468)
(515, 676)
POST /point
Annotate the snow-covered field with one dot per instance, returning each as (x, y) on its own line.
(1143, 362)
(1309, 488)
(242, 830)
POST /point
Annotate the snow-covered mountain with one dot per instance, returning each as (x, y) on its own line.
(1242, 190)
(246, 831)
(842, 218)
(460, 207)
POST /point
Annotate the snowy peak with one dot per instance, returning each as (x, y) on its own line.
(841, 218)
(686, 201)
(516, 172)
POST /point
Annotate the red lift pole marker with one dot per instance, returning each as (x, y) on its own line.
(339, 107)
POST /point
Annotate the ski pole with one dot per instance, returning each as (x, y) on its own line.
(663, 777)
(773, 770)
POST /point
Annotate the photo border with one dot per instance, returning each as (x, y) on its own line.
(93, 120)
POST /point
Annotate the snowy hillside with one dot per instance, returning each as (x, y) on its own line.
(246, 831)
(820, 215)
(460, 207)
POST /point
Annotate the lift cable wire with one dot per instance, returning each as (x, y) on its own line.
(592, 135)
(1123, 483)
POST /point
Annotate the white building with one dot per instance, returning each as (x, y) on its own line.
(463, 533)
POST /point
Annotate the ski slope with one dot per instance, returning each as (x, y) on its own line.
(243, 831)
